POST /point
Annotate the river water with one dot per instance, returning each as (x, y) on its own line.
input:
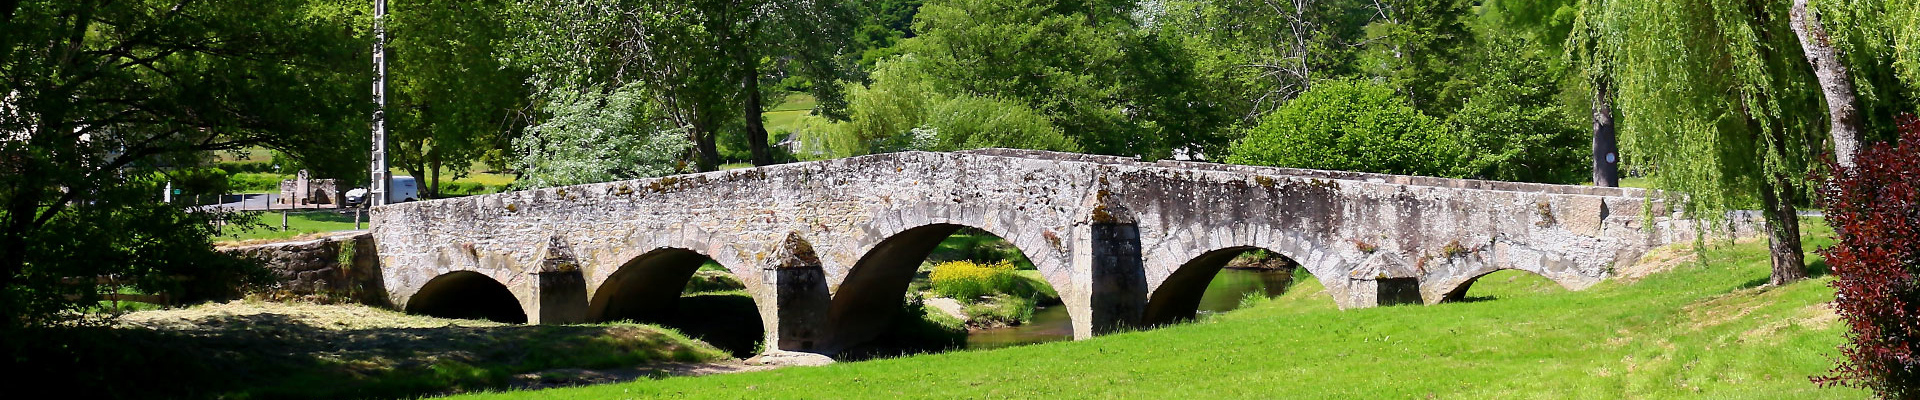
(1051, 323)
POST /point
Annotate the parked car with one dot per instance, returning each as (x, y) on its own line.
(400, 190)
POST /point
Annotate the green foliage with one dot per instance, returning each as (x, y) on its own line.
(1275, 53)
(198, 181)
(1714, 96)
(1000, 310)
(465, 188)
(901, 110)
(255, 182)
(1108, 86)
(713, 281)
(969, 281)
(975, 122)
(701, 62)
(883, 23)
(1350, 125)
(99, 98)
(1512, 128)
(1546, 22)
(1876, 39)
(590, 135)
(1414, 47)
(453, 102)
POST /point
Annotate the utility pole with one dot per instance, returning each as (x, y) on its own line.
(377, 189)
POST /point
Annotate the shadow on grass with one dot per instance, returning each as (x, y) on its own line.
(728, 320)
(1815, 269)
(331, 216)
(914, 330)
(275, 356)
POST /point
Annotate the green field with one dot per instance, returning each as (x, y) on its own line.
(1703, 330)
(797, 105)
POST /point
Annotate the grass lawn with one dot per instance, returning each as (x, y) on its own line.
(299, 223)
(1703, 330)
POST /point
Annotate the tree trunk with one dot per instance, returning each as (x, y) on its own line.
(1783, 232)
(703, 143)
(433, 185)
(1606, 146)
(1835, 82)
(756, 128)
(24, 200)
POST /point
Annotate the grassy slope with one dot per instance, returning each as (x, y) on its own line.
(1702, 330)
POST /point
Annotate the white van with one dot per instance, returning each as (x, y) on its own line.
(399, 190)
(403, 189)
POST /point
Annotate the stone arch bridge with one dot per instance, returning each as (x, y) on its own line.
(827, 248)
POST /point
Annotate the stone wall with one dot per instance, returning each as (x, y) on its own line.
(306, 192)
(338, 267)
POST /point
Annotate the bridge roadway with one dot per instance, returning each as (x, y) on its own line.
(828, 248)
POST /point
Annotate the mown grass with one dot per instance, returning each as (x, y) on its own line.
(297, 224)
(1704, 330)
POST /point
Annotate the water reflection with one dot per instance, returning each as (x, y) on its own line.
(1048, 324)
(1231, 285)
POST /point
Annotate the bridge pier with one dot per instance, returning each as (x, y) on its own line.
(560, 298)
(798, 317)
(1109, 280)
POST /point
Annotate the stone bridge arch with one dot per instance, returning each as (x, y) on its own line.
(467, 295)
(1454, 286)
(869, 294)
(645, 287)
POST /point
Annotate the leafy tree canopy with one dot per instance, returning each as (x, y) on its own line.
(1350, 125)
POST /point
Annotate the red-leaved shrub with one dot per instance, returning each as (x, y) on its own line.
(1875, 209)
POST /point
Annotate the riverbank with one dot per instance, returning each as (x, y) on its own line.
(1704, 329)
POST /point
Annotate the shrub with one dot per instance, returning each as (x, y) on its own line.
(1350, 125)
(255, 182)
(1002, 310)
(1876, 265)
(966, 123)
(966, 280)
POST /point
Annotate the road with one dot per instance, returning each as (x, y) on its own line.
(259, 202)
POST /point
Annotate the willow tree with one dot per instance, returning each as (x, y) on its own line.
(1717, 103)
